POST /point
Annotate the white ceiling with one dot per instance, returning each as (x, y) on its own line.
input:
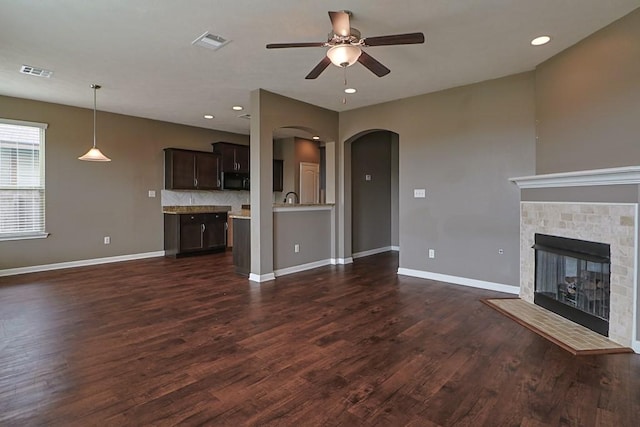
(140, 51)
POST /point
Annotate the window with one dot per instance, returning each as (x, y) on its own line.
(22, 191)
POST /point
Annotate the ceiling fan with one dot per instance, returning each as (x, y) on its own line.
(345, 46)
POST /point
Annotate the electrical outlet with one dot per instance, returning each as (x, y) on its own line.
(367, 177)
(107, 240)
(432, 253)
(501, 251)
(419, 193)
(296, 248)
(152, 193)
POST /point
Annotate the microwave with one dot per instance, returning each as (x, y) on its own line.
(235, 181)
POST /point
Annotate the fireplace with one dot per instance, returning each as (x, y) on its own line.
(593, 206)
(572, 279)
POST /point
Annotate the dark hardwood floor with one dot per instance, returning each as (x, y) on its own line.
(164, 342)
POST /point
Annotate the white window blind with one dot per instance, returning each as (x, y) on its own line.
(22, 189)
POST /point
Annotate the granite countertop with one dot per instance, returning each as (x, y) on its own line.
(241, 214)
(195, 209)
(246, 213)
(294, 205)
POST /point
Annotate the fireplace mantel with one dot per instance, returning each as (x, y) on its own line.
(610, 176)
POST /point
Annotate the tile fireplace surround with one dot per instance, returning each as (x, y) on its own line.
(596, 205)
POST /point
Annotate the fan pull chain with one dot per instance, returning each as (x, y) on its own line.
(344, 98)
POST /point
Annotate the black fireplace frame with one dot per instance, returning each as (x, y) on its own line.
(581, 249)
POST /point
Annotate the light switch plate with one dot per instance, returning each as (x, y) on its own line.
(419, 193)
(152, 193)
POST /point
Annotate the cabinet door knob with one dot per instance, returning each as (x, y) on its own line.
(203, 227)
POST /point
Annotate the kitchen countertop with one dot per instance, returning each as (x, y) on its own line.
(284, 207)
(241, 214)
(195, 209)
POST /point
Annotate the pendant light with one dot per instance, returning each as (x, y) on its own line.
(94, 154)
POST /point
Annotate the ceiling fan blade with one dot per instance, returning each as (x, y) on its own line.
(340, 22)
(285, 45)
(373, 65)
(318, 69)
(409, 38)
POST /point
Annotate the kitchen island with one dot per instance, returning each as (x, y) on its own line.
(301, 237)
(241, 240)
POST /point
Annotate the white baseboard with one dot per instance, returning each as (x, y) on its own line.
(370, 252)
(635, 346)
(80, 263)
(262, 277)
(301, 267)
(460, 281)
(395, 248)
(341, 261)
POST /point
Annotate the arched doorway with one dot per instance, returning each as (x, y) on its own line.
(374, 192)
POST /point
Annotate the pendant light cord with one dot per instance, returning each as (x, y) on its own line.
(95, 88)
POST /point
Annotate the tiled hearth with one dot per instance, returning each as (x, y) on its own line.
(588, 218)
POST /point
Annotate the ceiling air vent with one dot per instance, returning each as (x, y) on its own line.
(33, 71)
(245, 116)
(210, 41)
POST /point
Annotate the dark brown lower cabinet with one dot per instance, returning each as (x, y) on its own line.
(191, 234)
(242, 245)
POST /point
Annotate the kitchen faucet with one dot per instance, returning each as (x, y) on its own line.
(294, 193)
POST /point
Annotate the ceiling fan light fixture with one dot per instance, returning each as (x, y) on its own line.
(344, 55)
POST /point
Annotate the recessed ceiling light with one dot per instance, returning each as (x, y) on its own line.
(538, 41)
(350, 90)
(316, 137)
(208, 116)
(237, 108)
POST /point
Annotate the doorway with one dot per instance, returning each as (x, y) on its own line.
(374, 193)
(309, 182)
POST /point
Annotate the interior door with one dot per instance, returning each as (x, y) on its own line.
(309, 182)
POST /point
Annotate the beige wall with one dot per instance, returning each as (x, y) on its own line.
(371, 201)
(461, 145)
(270, 111)
(308, 229)
(86, 201)
(588, 102)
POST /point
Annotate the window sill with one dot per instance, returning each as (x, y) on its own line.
(24, 237)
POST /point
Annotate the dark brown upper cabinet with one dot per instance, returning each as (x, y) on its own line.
(278, 175)
(191, 170)
(234, 157)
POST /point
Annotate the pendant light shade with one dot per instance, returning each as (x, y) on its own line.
(94, 154)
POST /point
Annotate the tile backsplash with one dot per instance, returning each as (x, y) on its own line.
(187, 198)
